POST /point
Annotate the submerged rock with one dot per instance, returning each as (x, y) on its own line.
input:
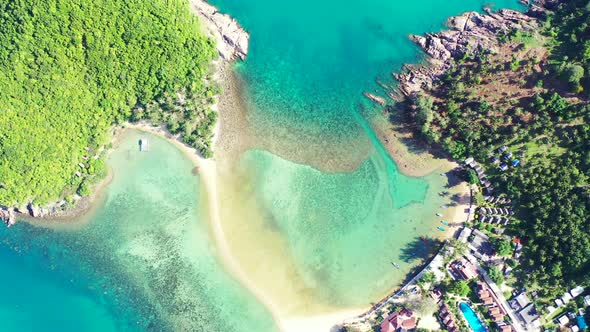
(7, 216)
(376, 99)
(232, 39)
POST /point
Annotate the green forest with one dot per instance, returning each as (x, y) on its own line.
(533, 98)
(71, 69)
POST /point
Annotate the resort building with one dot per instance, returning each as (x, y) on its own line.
(576, 291)
(505, 328)
(464, 269)
(530, 317)
(464, 235)
(520, 301)
(488, 298)
(400, 321)
(447, 318)
(562, 320)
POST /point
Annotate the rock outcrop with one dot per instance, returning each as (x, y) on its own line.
(232, 40)
(7, 216)
(470, 32)
(376, 99)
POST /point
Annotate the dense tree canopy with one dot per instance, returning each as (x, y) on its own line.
(533, 97)
(70, 69)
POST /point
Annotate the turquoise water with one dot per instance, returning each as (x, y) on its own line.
(308, 65)
(309, 61)
(471, 317)
(143, 262)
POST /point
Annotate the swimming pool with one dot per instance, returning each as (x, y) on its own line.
(471, 317)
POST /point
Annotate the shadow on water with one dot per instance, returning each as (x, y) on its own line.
(420, 248)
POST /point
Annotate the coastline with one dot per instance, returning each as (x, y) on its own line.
(208, 176)
(232, 43)
(409, 163)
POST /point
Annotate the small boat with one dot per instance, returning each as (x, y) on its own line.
(424, 239)
(396, 265)
(438, 214)
(443, 206)
(440, 229)
(444, 223)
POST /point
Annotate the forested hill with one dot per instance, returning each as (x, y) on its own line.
(523, 112)
(69, 69)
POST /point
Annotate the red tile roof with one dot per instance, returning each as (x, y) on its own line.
(403, 319)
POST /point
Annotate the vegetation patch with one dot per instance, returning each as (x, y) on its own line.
(533, 97)
(71, 69)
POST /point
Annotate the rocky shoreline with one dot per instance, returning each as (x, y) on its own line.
(232, 44)
(468, 33)
(232, 40)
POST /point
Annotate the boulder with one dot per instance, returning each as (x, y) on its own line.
(232, 40)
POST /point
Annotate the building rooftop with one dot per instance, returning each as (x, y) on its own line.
(563, 319)
(529, 313)
(402, 320)
(522, 300)
(576, 291)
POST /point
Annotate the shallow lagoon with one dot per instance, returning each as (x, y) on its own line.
(317, 189)
(314, 239)
(142, 261)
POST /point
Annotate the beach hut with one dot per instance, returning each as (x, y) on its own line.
(495, 160)
(469, 161)
(503, 167)
(515, 162)
(563, 320)
(576, 291)
(502, 149)
(508, 155)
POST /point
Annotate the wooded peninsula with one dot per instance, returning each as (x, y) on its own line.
(70, 70)
(522, 110)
